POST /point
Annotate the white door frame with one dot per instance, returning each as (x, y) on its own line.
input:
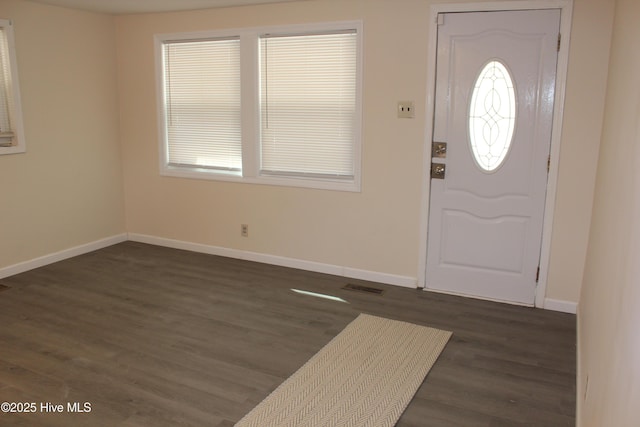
(566, 11)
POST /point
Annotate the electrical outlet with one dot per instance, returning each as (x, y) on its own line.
(406, 110)
(244, 230)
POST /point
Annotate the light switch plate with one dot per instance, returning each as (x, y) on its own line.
(406, 110)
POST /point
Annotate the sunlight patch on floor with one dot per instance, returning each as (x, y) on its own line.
(317, 295)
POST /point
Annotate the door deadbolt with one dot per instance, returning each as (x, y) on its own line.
(439, 150)
(438, 170)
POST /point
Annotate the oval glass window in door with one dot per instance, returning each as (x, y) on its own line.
(492, 116)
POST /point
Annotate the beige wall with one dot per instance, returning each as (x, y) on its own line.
(582, 127)
(374, 230)
(67, 189)
(609, 313)
(378, 229)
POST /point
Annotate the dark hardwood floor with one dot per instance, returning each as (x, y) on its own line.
(151, 336)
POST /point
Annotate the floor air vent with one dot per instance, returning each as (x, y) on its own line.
(363, 289)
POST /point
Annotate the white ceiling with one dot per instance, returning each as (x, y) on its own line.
(144, 6)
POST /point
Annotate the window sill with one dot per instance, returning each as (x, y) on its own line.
(15, 149)
(299, 182)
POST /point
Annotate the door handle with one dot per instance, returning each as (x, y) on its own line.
(438, 170)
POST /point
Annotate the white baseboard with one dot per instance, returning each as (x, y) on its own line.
(559, 305)
(61, 255)
(549, 304)
(336, 270)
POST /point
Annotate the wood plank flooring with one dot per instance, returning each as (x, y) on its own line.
(151, 336)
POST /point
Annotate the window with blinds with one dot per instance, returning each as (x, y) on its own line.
(202, 104)
(11, 134)
(308, 104)
(278, 105)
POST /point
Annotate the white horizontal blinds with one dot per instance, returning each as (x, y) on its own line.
(308, 104)
(6, 101)
(202, 103)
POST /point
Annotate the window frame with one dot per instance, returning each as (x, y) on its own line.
(250, 108)
(15, 107)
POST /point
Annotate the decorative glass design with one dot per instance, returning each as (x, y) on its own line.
(492, 116)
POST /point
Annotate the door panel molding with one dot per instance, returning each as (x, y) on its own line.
(566, 11)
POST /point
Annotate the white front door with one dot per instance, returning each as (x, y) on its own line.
(495, 88)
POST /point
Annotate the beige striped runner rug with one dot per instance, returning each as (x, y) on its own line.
(365, 376)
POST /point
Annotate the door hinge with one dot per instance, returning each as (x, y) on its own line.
(549, 163)
(559, 41)
(538, 274)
